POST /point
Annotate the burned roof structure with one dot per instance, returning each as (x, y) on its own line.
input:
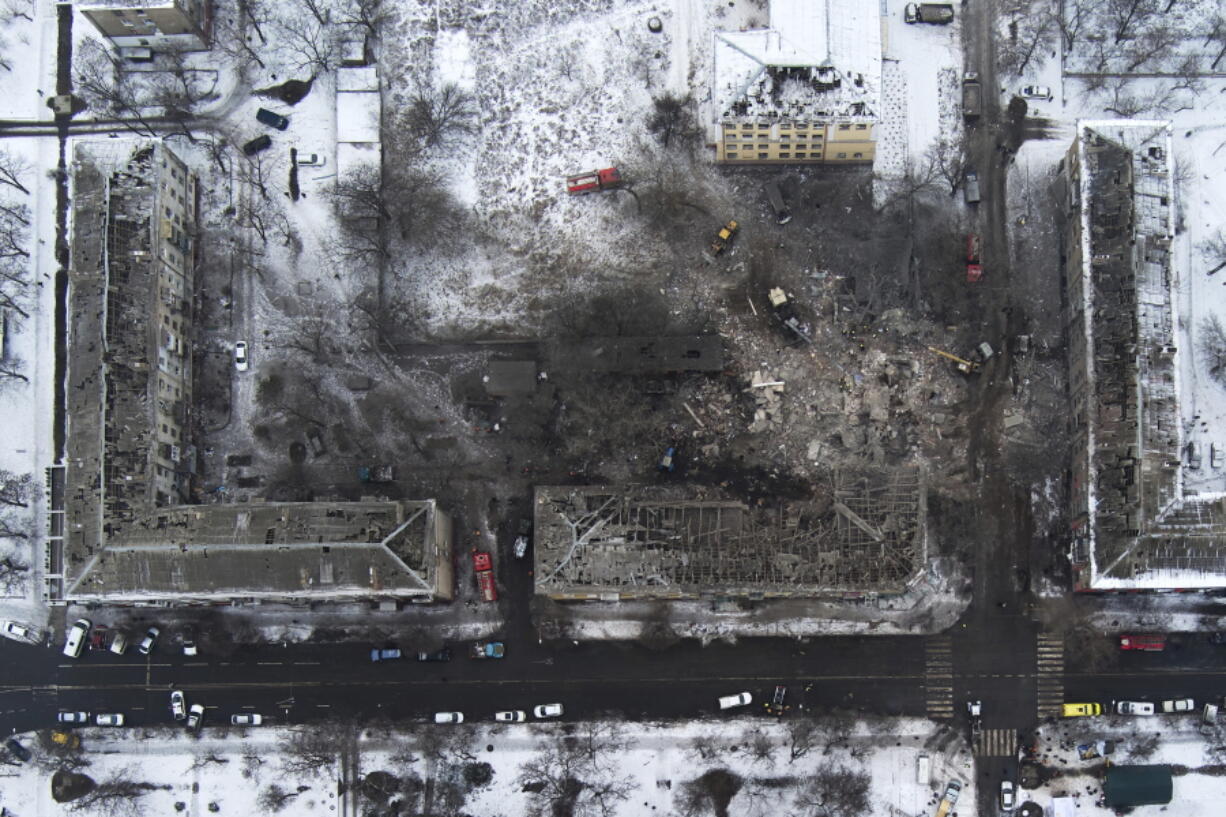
(858, 536)
(121, 531)
(1146, 511)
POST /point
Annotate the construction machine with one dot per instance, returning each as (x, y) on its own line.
(961, 364)
(594, 181)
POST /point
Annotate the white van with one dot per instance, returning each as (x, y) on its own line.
(731, 701)
(76, 638)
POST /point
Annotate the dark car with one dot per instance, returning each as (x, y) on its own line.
(97, 641)
(441, 655)
(385, 654)
(257, 144)
(272, 120)
(17, 750)
(1217, 638)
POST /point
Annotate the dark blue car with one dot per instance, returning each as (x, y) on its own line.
(272, 120)
(386, 654)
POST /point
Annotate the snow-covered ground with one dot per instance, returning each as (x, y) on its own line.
(754, 765)
(1196, 758)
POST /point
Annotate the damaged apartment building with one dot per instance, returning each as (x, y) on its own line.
(1148, 511)
(805, 89)
(121, 531)
(858, 537)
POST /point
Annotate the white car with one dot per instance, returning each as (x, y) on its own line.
(1008, 795)
(1134, 708)
(75, 642)
(307, 158)
(240, 356)
(449, 717)
(20, 632)
(146, 643)
(109, 719)
(1036, 92)
(511, 716)
(547, 711)
(246, 720)
(732, 701)
(195, 716)
(178, 706)
(1179, 705)
(73, 717)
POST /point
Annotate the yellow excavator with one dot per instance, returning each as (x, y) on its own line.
(961, 364)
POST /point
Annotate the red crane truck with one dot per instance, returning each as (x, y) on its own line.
(594, 182)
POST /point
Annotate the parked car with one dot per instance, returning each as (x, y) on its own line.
(1134, 708)
(1146, 643)
(952, 791)
(271, 119)
(511, 716)
(17, 750)
(109, 719)
(1081, 710)
(77, 633)
(731, 701)
(385, 654)
(246, 719)
(449, 717)
(97, 639)
(20, 632)
(521, 546)
(73, 717)
(178, 705)
(1008, 795)
(547, 711)
(189, 640)
(438, 655)
(1217, 638)
(119, 642)
(1036, 92)
(146, 643)
(309, 159)
(261, 142)
(195, 717)
(240, 356)
(1178, 705)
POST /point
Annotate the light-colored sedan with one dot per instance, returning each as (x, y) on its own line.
(731, 701)
(178, 706)
(1179, 705)
(240, 356)
(547, 711)
(1134, 708)
(73, 717)
(1036, 92)
(511, 716)
(449, 717)
(109, 719)
(246, 720)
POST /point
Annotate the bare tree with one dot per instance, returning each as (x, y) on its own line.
(439, 117)
(1152, 45)
(1076, 14)
(309, 44)
(1213, 251)
(11, 10)
(312, 749)
(1217, 37)
(370, 16)
(562, 781)
(15, 489)
(13, 575)
(10, 528)
(834, 791)
(117, 796)
(948, 158)
(1034, 27)
(12, 169)
(1212, 342)
(274, 798)
(802, 738)
(1124, 14)
(672, 120)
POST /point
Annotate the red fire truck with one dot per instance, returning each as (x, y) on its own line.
(485, 575)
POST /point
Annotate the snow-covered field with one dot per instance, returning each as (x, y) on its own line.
(738, 765)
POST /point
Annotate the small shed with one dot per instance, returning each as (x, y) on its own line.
(1128, 786)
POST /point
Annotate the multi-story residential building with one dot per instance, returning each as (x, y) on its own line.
(182, 24)
(805, 89)
(1147, 509)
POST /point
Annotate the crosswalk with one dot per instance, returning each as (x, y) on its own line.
(939, 678)
(1050, 667)
(995, 743)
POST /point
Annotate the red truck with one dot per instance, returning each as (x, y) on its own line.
(485, 575)
(974, 272)
(594, 182)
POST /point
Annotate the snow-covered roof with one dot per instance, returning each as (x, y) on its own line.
(1155, 518)
(359, 78)
(357, 116)
(817, 59)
